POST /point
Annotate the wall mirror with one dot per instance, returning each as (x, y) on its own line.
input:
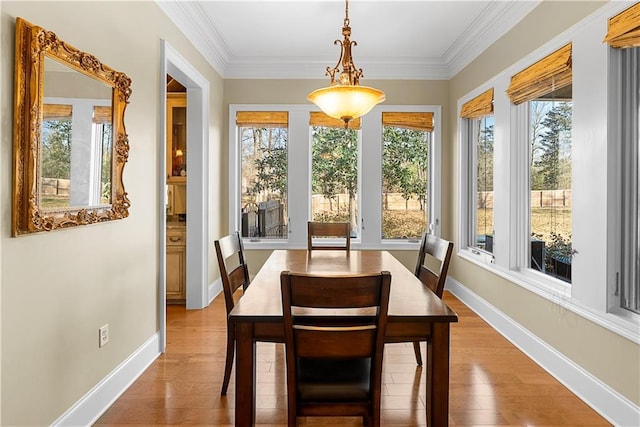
(70, 143)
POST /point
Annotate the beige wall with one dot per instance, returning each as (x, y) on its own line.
(58, 288)
(606, 355)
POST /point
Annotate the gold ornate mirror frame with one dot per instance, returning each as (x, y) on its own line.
(33, 45)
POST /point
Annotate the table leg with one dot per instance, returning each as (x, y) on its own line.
(245, 375)
(438, 376)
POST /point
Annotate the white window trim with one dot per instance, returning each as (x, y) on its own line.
(299, 191)
(508, 144)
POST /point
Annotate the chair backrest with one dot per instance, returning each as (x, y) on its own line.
(439, 249)
(336, 335)
(234, 273)
(328, 229)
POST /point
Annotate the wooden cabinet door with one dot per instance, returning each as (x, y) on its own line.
(176, 265)
(176, 257)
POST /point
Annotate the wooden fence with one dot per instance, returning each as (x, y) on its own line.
(55, 187)
(539, 199)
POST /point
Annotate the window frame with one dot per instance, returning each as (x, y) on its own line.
(299, 165)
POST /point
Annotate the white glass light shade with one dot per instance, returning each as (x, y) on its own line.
(346, 102)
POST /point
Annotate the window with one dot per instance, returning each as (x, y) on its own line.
(550, 184)
(263, 139)
(478, 113)
(334, 170)
(483, 224)
(329, 173)
(545, 87)
(406, 142)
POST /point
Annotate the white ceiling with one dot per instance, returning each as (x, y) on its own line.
(396, 39)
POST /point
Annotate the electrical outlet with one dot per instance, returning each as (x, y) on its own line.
(103, 335)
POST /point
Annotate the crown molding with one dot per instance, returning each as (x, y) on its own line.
(497, 18)
(301, 68)
(495, 21)
(192, 20)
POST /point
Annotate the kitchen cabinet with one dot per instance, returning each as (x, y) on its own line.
(176, 261)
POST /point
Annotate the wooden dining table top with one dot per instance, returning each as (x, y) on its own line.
(409, 300)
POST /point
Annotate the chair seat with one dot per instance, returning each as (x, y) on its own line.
(333, 380)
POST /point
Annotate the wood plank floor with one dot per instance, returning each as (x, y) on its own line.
(492, 383)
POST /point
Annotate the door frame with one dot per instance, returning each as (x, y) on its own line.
(197, 282)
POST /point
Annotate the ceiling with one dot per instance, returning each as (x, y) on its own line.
(396, 39)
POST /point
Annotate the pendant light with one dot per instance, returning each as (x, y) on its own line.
(344, 98)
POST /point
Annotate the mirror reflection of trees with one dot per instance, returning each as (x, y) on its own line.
(56, 162)
(56, 170)
(106, 131)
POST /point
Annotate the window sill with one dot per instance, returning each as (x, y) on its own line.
(626, 325)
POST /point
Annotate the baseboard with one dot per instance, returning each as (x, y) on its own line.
(607, 402)
(214, 289)
(92, 405)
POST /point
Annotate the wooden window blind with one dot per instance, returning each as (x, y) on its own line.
(414, 121)
(56, 111)
(481, 105)
(262, 119)
(102, 114)
(624, 28)
(545, 76)
(318, 118)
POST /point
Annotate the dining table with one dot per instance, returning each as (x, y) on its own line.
(414, 312)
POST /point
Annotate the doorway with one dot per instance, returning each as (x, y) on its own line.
(197, 194)
(176, 181)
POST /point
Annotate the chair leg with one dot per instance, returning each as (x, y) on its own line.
(416, 349)
(292, 420)
(228, 364)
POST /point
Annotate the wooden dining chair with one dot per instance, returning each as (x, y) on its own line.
(440, 251)
(234, 274)
(340, 230)
(334, 359)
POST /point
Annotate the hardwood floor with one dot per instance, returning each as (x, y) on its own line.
(492, 383)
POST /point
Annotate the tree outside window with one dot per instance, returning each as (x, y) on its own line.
(264, 181)
(484, 183)
(550, 168)
(334, 175)
(405, 157)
